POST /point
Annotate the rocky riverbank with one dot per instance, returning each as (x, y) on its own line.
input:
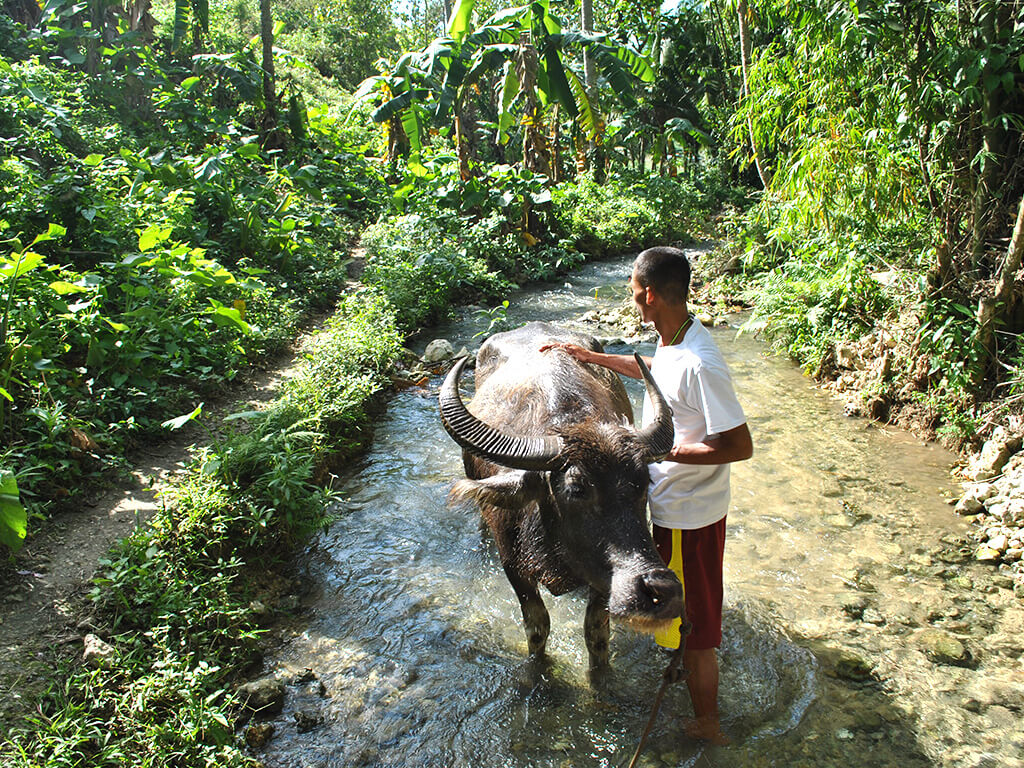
(993, 500)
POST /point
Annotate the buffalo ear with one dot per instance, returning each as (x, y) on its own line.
(508, 490)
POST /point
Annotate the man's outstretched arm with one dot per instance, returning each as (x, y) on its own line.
(624, 364)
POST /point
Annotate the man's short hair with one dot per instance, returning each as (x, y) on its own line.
(666, 270)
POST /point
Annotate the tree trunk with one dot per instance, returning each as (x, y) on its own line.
(269, 87)
(97, 13)
(1002, 298)
(982, 199)
(741, 13)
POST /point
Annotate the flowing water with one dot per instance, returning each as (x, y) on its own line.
(410, 651)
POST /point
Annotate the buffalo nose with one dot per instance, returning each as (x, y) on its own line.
(663, 590)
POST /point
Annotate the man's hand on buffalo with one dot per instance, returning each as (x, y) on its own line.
(582, 354)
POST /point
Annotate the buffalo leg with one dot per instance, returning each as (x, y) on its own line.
(595, 629)
(536, 621)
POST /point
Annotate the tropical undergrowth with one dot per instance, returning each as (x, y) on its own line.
(177, 598)
(149, 255)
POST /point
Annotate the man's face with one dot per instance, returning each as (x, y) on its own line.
(639, 298)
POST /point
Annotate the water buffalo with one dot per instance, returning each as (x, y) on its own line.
(560, 476)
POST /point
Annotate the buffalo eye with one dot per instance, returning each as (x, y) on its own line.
(575, 484)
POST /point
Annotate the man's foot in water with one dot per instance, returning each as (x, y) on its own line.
(706, 729)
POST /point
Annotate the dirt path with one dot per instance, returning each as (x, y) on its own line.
(45, 611)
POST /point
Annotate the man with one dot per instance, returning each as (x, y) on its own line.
(689, 494)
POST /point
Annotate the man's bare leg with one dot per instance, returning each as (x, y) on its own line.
(703, 684)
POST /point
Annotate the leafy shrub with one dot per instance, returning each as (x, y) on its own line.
(345, 367)
(822, 295)
(625, 213)
(423, 269)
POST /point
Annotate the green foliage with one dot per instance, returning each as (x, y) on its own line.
(178, 251)
(13, 517)
(345, 369)
(626, 212)
(423, 268)
(175, 595)
(816, 297)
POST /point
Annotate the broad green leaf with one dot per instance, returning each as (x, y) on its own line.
(587, 119)
(92, 160)
(180, 421)
(189, 83)
(6, 395)
(248, 150)
(458, 25)
(119, 327)
(558, 83)
(22, 263)
(53, 231)
(509, 90)
(151, 236)
(225, 316)
(13, 516)
(64, 288)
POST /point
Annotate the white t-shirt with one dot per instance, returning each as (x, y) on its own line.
(696, 383)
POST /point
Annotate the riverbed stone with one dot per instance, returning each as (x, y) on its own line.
(987, 554)
(307, 720)
(258, 735)
(438, 350)
(998, 542)
(942, 647)
(850, 666)
(873, 616)
(262, 697)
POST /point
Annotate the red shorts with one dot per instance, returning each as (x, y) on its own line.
(697, 560)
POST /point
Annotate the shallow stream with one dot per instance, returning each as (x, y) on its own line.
(844, 576)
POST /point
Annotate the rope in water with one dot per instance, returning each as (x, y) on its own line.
(672, 674)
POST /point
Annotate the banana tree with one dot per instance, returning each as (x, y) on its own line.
(401, 95)
(525, 48)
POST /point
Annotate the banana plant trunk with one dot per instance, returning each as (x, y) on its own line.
(462, 149)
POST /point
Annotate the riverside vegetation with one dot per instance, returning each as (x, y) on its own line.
(185, 184)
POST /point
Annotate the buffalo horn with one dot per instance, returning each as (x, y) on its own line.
(659, 435)
(488, 443)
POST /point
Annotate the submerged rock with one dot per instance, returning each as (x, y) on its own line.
(262, 697)
(306, 720)
(942, 648)
(257, 736)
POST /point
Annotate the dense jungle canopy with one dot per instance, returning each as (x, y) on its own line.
(183, 182)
